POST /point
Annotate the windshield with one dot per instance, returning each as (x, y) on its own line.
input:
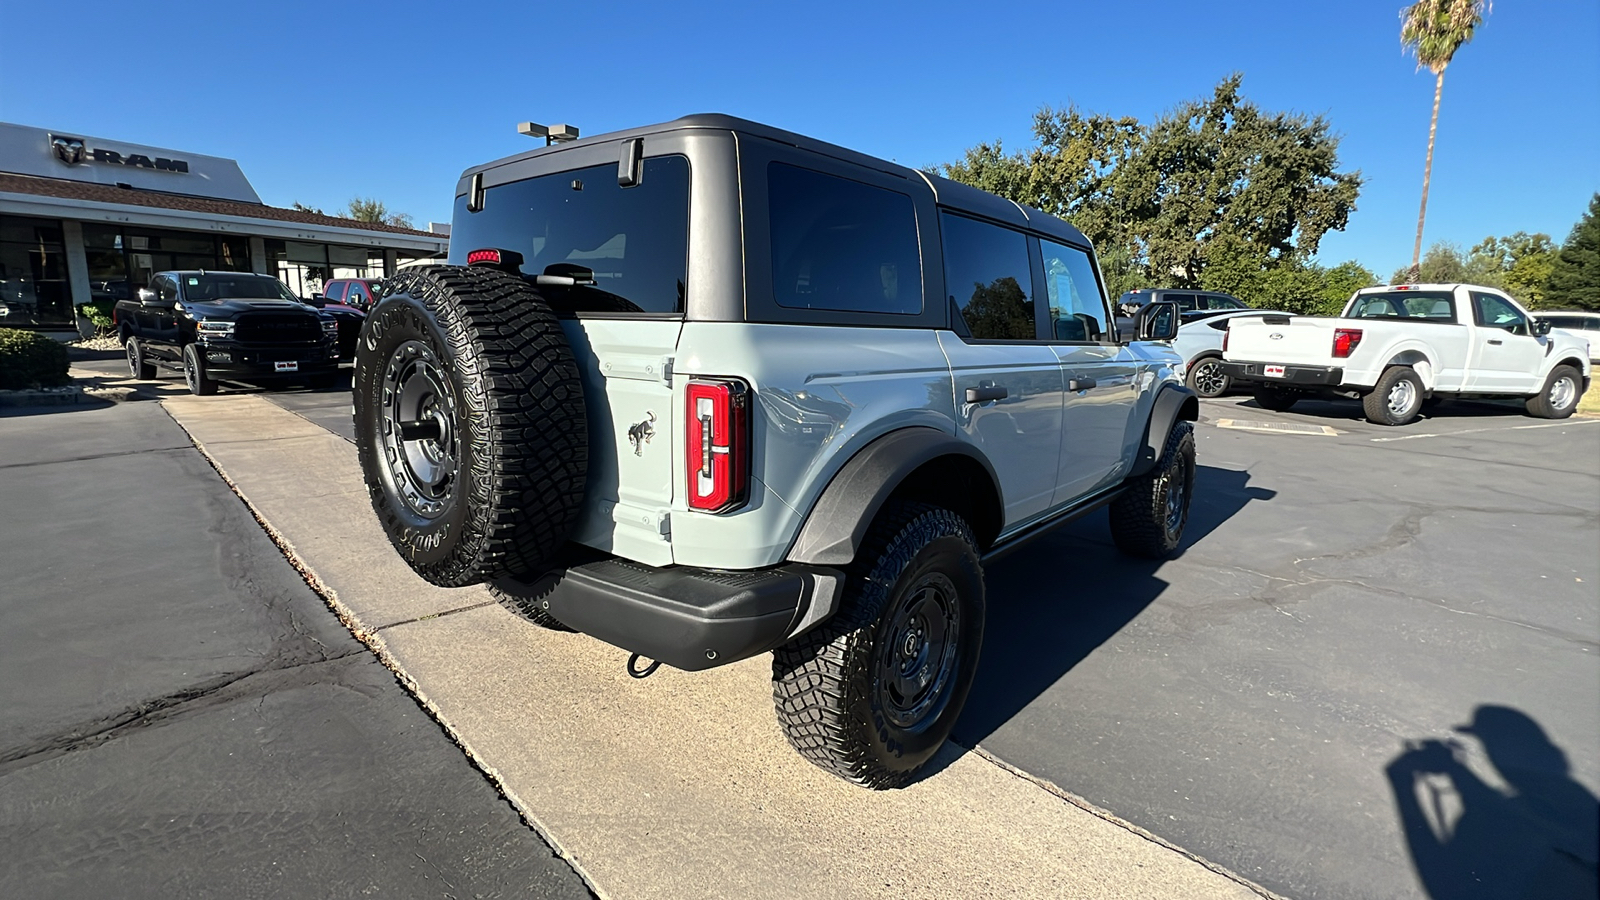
(1427, 306)
(231, 286)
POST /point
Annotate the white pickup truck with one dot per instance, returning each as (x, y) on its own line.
(1397, 346)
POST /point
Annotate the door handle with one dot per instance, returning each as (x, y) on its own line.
(985, 394)
(1080, 384)
(1496, 343)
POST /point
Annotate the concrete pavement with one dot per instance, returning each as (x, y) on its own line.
(679, 785)
(181, 716)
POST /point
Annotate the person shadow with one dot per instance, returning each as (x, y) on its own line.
(1535, 835)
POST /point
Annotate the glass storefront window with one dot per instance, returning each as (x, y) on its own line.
(33, 272)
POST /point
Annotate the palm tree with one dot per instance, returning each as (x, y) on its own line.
(1434, 30)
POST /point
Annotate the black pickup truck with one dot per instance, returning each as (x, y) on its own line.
(230, 326)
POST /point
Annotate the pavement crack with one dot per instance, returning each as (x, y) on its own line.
(437, 615)
(92, 456)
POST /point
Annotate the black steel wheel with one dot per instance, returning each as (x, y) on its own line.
(470, 424)
(873, 693)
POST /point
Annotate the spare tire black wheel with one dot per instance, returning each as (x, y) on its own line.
(470, 424)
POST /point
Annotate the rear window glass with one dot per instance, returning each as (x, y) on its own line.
(1436, 306)
(987, 273)
(842, 245)
(635, 240)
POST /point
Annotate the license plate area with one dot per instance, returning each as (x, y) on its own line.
(1273, 371)
(286, 365)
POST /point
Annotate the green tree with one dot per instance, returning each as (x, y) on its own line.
(366, 209)
(1574, 281)
(1434, 30)
(1521, 262)
(309, 209)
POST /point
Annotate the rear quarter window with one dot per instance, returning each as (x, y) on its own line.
(842, 245)
(634, 239)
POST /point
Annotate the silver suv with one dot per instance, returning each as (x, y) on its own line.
(708, 389)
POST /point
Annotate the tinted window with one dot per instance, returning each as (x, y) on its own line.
(1077, 307)
(634, 240)
(1186, 302)
(1496, 312)
(358, 292)
(986, 271)
(233, 287)
(840, 244)
(166, 289)
(1433, 306)
(335, 291)
(1220, 301)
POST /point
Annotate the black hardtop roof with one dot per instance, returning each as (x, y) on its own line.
(946, 192)
(212, 272)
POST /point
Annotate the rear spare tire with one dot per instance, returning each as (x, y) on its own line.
(470, 424)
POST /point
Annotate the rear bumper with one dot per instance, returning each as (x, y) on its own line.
(1293, 376)
(692, 618)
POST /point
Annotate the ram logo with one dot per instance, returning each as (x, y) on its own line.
(69, 150)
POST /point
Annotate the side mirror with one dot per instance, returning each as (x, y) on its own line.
(147, 297)
(1541, 327)
(318, 301)
(1157, 321)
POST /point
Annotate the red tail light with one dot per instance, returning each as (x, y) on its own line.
(718, 437)
(1225, 332)
(1345, 342)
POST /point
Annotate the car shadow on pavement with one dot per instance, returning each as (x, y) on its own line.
(1528, 830)
(1351, 411)
(1051, 605)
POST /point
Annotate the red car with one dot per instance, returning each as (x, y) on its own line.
(357, 292)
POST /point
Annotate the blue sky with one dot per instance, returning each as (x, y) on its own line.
(320, 102)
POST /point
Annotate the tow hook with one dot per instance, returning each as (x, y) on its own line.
(647, 671)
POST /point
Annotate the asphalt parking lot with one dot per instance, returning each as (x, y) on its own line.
(1285, 700)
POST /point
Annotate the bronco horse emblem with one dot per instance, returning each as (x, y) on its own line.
(640, 434)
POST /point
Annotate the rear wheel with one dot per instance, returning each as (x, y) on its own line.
(1275, 399)
(194, 373)
(1207, 379)
(1560, 395)
(470, 424)
(1396, 398)
(138, 365)
(873, 693)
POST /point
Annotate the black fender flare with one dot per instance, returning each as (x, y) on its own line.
(838, 521)
(1174, 403)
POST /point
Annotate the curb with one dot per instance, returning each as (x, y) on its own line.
(67, 396)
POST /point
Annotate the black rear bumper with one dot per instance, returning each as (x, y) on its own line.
(693, 618)
(1293, 376)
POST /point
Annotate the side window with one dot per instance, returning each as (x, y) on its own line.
(1077, 306)
(166, 289)
(987, 273)
(1219, 301)
(1495, 312)
(335, 291)
(842, 245)
(358, 292)
(1186, 302)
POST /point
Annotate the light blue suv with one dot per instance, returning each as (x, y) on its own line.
(709, 389)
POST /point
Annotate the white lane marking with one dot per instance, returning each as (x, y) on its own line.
(1277, 427)
(1413, 437)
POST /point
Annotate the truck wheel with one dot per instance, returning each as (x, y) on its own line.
(873, 693)
(470, 424)
(1275, 399)
(1396, 398)
(528, 601)
(1149, 518)
(194, 372)
(1560, 395)
(138, 366)
(1207, 379)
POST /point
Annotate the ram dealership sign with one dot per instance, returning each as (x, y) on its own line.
(73, 151)
(75, 156)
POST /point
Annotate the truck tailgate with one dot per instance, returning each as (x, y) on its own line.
(1301, 340)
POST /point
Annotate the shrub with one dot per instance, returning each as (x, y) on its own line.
(29, 359)
(99, 315)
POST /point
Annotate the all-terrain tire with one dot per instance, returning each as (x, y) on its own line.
(1275, 399)
(195, 374)
(139, 365)
(1148, 519)
(486, 478)
(1207, 379)
(1560, 395)
(529, 601)
(1396, 398)
(873, 693)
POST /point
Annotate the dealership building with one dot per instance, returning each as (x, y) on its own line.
(85, 219)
